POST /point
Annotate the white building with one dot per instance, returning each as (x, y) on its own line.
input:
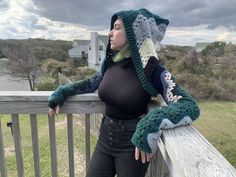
(79, 49)
(3, 65)
(201, 46)
(94, 49)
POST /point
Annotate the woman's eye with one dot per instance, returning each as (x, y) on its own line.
(116, 27)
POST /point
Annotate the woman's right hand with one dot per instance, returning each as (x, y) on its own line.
(54, 111)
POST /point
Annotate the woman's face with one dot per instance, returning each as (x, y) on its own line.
(117, 36)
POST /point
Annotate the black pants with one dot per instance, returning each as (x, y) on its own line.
(114, 152)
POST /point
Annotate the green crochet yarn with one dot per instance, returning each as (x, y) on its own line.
(144, 31)
(82, 86)
(179, 113)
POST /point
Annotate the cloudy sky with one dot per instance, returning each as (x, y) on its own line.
(191, 21)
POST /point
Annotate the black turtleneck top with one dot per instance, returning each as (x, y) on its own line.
(122, 92)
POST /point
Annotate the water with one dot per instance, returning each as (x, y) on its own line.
(8, 83)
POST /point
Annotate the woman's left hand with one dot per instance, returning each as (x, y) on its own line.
(145, 157)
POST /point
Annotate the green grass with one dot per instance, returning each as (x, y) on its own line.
(217, 123)
(44, 147)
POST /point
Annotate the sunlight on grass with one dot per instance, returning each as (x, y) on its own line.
(44, 146)
(218, 124)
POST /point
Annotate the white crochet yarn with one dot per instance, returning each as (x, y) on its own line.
(169, 85)
(148, 36)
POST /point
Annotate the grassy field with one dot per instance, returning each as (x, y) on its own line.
(61, 141)
(217, 123)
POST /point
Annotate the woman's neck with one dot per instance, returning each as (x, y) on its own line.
(123, 53)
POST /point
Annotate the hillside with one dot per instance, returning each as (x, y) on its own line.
(42, 48)
(209, 76)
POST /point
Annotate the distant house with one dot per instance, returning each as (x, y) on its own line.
(80, 49)
(97, 49)
(94, 49)
(3, 64)
(201, 46)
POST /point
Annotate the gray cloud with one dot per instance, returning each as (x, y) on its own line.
(87, 13)
(11, 29)
(4, 5)
(90, 13)
(213, 12)
(31, 23)
(96, 14)
(20, 27)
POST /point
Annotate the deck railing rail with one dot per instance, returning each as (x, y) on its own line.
(182, 152)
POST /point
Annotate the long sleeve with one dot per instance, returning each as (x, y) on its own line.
(181, 109)
(82, 86)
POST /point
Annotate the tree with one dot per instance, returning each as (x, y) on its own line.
(22, 64)
(1, 54)
(215, 49)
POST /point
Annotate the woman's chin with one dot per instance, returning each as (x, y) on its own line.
(114, 48)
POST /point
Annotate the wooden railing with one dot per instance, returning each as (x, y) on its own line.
(182, 152)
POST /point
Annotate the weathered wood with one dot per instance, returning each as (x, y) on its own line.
(15, 102)
(70, 145)
(53, 149)
(42, 107)
(30, 96)
(3, 169)
(35, 144)
(17, 143)
(172, 167)
(190, 154)
(87, 139)
(157, 166)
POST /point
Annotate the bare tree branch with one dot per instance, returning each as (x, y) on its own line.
(22, 64)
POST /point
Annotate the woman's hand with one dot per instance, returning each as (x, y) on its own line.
(145, 157)
(54, 111)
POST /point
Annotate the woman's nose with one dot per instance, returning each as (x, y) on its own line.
(110, 34)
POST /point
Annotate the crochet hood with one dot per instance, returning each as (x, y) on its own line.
(144, 31)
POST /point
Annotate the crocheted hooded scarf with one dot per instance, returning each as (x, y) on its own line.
(144, 31)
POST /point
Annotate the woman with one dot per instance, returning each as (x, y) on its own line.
(130, 75)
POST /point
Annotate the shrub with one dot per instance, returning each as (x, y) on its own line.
(83, 73)
(79, 62)
(52, 67)
(214, 49)
(46, 86)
